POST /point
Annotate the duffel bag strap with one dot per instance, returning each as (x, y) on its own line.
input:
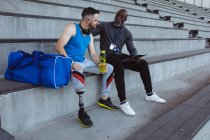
(15, 64)
(38, 56)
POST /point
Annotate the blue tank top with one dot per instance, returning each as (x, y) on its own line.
(77, 45)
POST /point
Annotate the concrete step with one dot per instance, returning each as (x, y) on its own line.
(192, 7)
(167, 46)
(161, 6)
(177, 20)
(183, 5)
(204, 17)
(55, 30)
(5, 136)
(181, 122)
(166, 9)
(175, 90)
(163, 46)
(197, 10)
(196, 27)
(180, 15)
(83, 4)
(126, 1)
(23, 27)
(144, 46)
(164, 2)
(52, 10)
(200, 15)
(150, 6)
(31, 28)
(28, 109)
(116, 3)
(203, 13)
(204, 34)
(51, 27)
(156, 32)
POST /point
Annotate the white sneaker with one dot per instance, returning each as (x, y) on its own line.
(126, 109)
(155, 98)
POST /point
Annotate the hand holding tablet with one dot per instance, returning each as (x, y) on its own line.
(136, 57)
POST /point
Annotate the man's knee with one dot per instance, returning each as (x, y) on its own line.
(118, 66)
(78, 80)
(144, 62)
(110, 67)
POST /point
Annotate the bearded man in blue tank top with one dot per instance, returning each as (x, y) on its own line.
(74, 42)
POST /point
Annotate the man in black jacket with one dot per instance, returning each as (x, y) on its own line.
(113, 36)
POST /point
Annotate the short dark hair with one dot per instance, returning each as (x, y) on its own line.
(89, 11)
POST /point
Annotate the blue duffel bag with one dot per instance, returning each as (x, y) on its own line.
(38, 68)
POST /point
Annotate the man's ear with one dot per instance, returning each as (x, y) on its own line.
(88, 20)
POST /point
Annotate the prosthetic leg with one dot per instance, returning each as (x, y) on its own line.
(83, 117)
(78, 82)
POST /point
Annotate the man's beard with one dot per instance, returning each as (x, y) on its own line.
(92, 26)
(117, 23)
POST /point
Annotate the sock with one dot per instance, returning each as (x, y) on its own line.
(123, 102)
(150, 94)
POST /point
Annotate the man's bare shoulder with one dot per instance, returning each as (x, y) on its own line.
(70, 28)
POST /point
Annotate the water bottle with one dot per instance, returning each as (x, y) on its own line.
(102, 65)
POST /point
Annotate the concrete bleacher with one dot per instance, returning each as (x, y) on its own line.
(194, 9)
(181, 15)
(167, 8)
(161, 6)
(200, 11)
(37, 26)
(191, 22)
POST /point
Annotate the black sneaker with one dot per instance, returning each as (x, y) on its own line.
(107, 104)
(84, 119)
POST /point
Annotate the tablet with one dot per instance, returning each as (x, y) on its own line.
(133, 57)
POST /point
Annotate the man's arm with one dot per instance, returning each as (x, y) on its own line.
(68, 32)
(92, 52)
(130, 46)
(97, 31)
